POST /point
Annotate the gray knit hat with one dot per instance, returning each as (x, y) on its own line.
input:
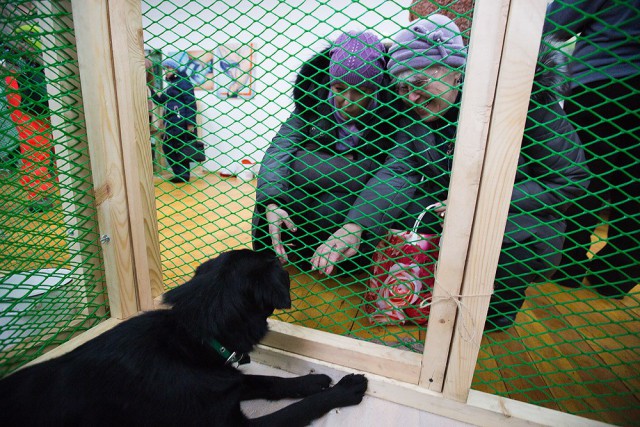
(357, 59)
(433, 40)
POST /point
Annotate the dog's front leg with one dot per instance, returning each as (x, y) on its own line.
(349, 391)
(275, 388)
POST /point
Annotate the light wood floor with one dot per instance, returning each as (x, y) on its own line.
(570, 349)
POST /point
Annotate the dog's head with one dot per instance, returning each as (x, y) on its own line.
(230, 297)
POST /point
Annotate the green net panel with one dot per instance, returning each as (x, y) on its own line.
(569, 349)
(51, 274)
(253, 89)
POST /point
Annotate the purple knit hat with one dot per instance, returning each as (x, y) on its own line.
(357, 59)
(433, 40)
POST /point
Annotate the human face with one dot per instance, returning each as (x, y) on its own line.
(429, 92)
(351, 101)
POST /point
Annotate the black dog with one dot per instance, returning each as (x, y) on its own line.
(174, 367)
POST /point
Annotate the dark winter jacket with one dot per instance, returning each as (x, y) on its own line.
(608, 37)
(179, 102)
(303, 153)
(550, 172)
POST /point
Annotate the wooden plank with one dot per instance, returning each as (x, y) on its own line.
(487, 377)
(608, 326)
(531, 414)
(481, 74)
(521, 379)
(604, 345)
(68, 133)
(394, 363)
(103, 133)
(125, 19)
(631, 302)
(556, 370)
(482, 408)
(605, 392)
(517, 67)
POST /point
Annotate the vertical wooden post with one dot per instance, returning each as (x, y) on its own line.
(517, 69)
(128, 59)
(99, 56)
(481, 75)
(68, 133)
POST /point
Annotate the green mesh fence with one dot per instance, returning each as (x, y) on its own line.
(252, 99)
(51, 275)
(571, 349)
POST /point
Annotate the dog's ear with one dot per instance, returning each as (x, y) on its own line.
(186, 293)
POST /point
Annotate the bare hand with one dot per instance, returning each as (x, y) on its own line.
(276, 218)
(343, 244)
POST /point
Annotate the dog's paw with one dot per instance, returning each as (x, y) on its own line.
(351, 388)
(307, 385)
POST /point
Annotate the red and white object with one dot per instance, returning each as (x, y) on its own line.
(403, 276)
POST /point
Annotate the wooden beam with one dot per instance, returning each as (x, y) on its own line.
(125, 19)
(97, 75)
(517, 68)
(394, 363)
(481, 75)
